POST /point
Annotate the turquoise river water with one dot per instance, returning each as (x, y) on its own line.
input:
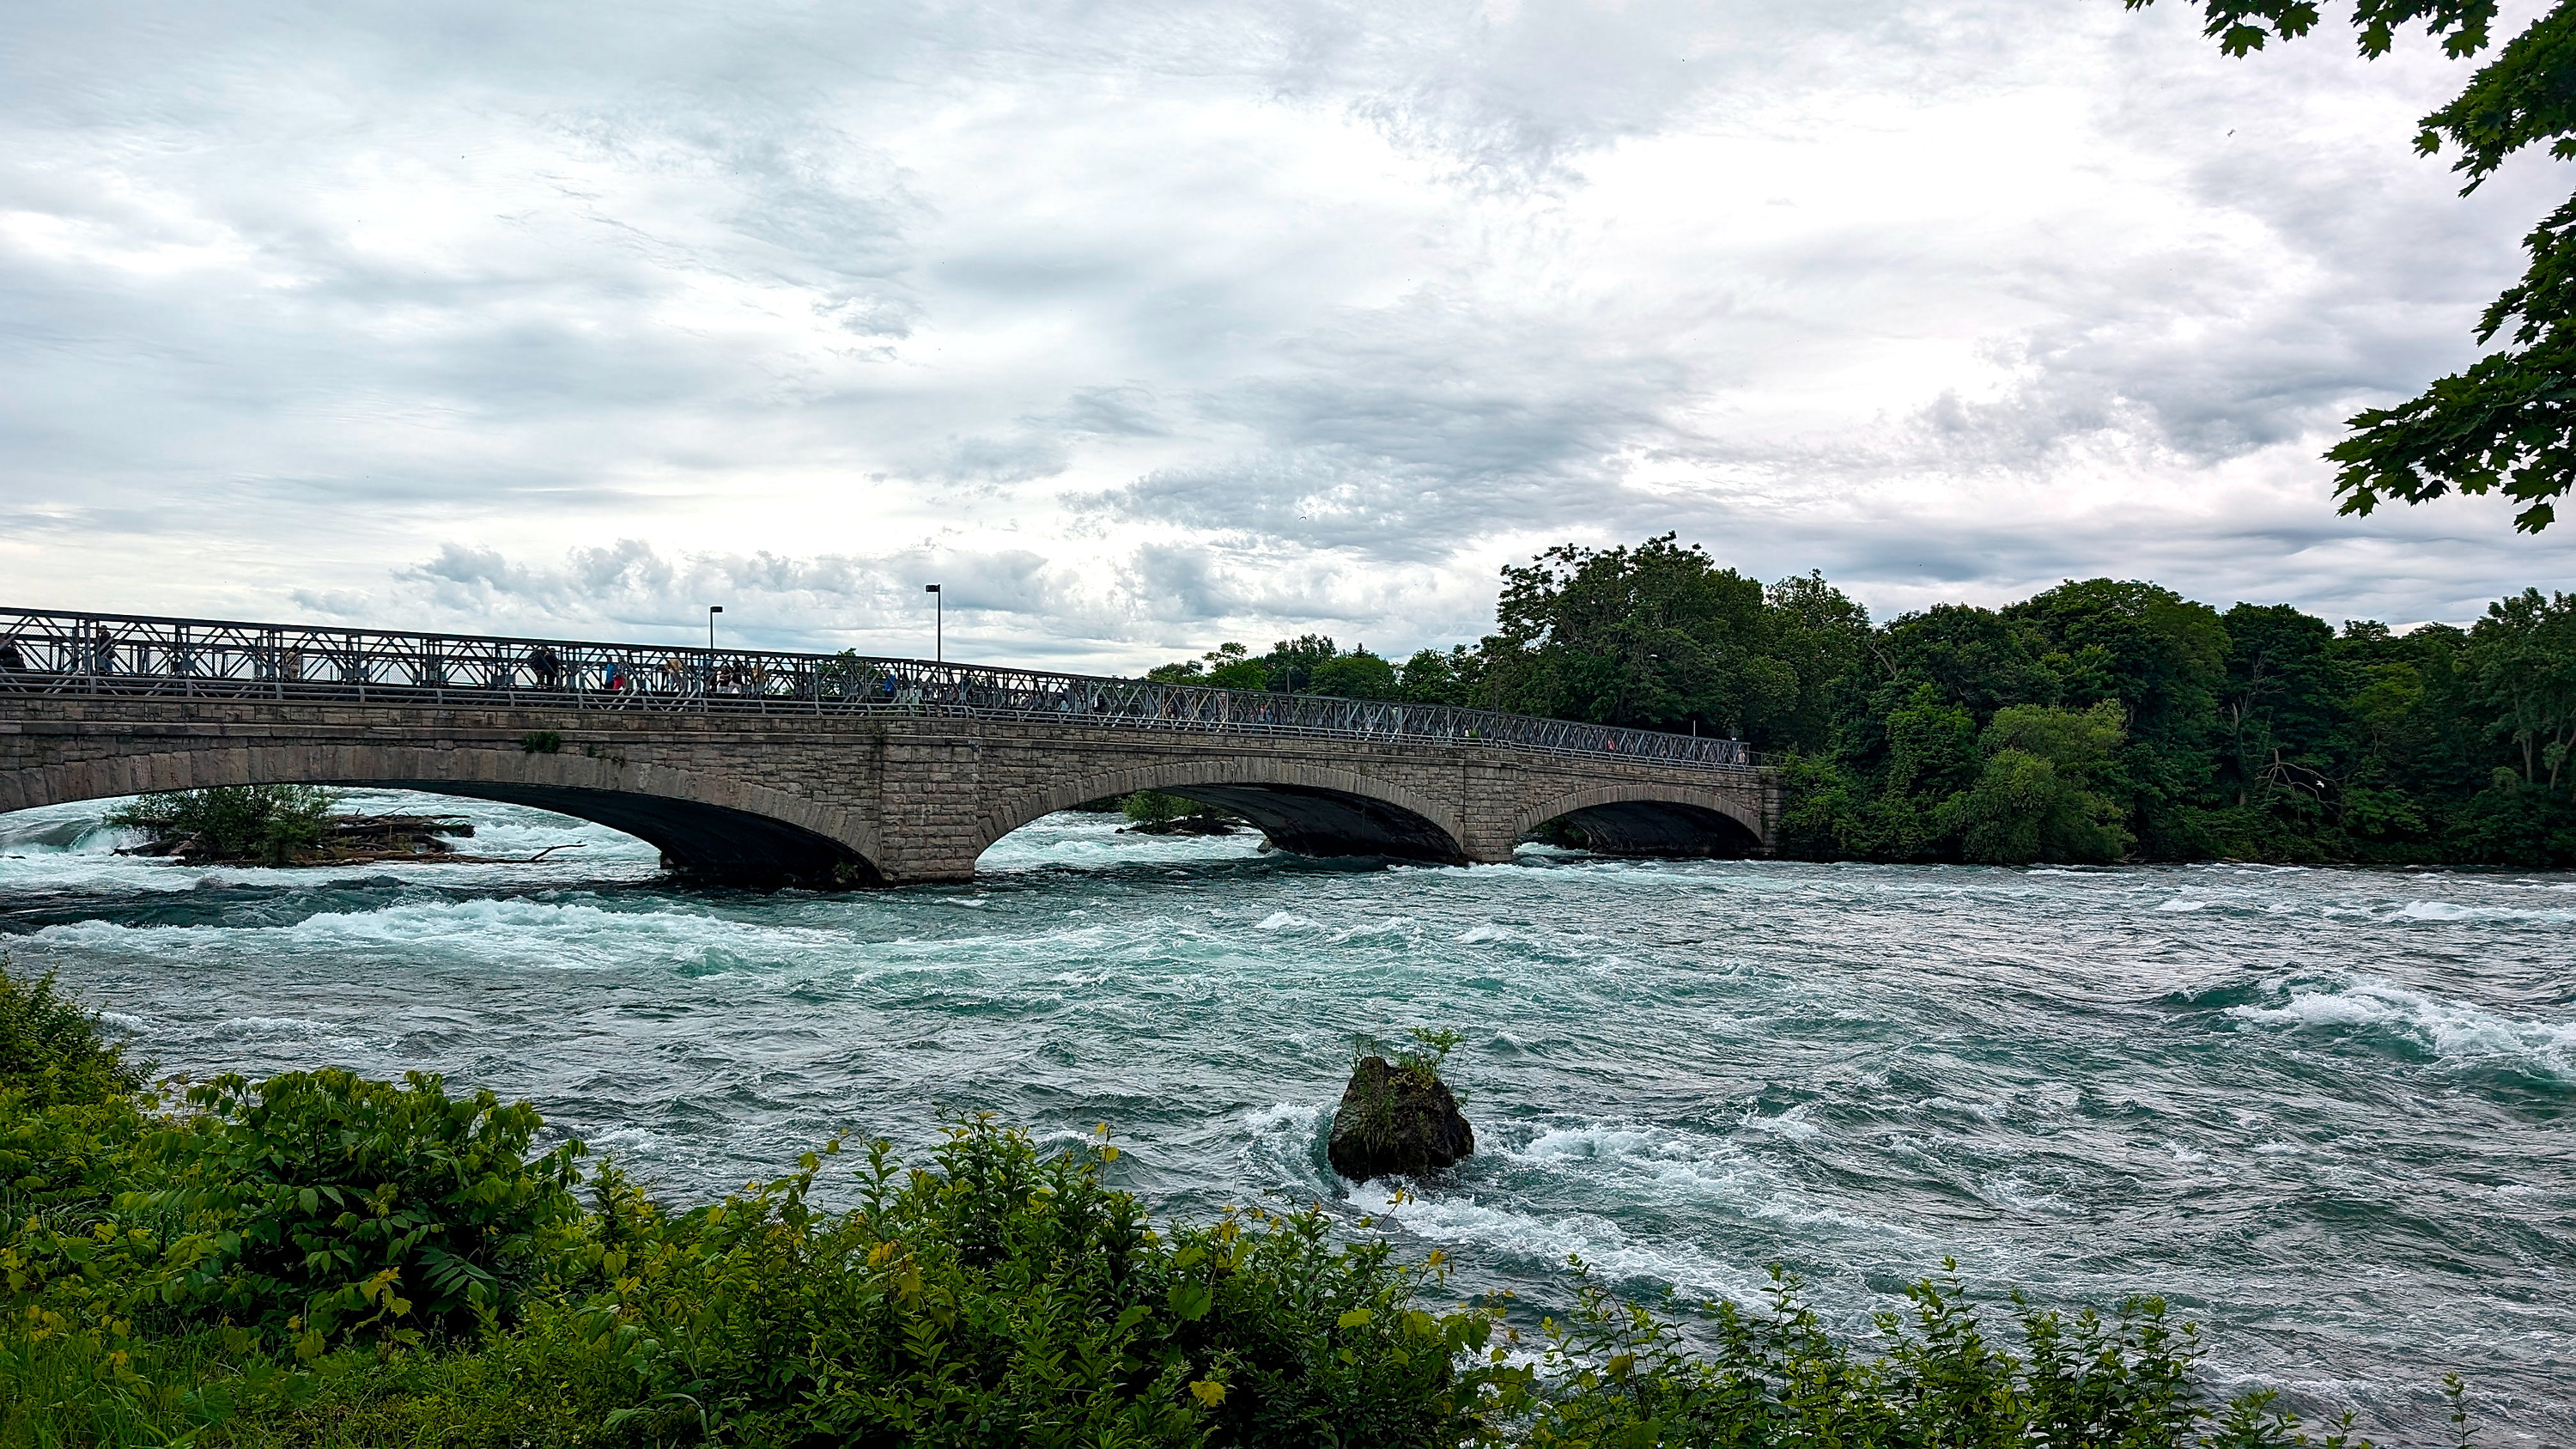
(2329, 1115)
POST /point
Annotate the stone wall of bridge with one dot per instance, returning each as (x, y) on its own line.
(881, 798)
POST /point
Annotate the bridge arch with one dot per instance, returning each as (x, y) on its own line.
(1304, 808)
(1650, 819)
(709, 830)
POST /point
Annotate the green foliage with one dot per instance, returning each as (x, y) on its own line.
(1432, 677)
(1292, 662)
(2511, 823)
(63, 1384)
(1309, 664)
(320, 1203)
(1247, 674)
(2031, 802)
(1657, 636)
(1615, 1374)
(1356, 675)
(1227, 666)
(2242, 26)
(541, 742)
(67, 1113)
(52, 1051)
(2508, 423)
(1153, 807)
(2522, 657)
(269, 823)
(1431, 1047)
(2116, 719)
(2099, 720)
(307, 1209)
(1004, 1296)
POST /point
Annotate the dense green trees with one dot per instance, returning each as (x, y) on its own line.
(2258, 733)
(1308, 664)
(2098, 720)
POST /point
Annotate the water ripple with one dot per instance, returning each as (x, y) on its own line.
(2325, 1112)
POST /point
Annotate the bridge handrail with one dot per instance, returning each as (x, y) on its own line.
(50, 651)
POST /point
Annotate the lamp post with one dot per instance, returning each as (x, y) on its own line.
(712, 611)
(938, 624)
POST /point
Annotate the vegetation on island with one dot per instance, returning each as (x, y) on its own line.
(323, 1260)
(2099, 720)
(2504, 424)
(1151, 812)
(272, 824)
(276, 825)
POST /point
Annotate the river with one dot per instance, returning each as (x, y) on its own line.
(2327, 1114)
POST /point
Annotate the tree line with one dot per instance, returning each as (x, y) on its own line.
(2096, 721)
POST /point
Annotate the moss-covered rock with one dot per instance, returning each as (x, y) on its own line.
(1397, 1121)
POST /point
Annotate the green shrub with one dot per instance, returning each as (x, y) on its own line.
(269, 823)
(1614, 1374)
(67, 1114)
(1152, 807)
(539, 1386)
(317, 1204)
(51, 1050)
(1005, 1297)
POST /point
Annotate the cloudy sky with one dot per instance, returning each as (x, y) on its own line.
(1142, 324)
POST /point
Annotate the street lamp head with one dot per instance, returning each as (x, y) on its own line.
(930, 588)
(715, 608)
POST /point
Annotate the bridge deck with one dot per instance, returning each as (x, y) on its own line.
(143, 656)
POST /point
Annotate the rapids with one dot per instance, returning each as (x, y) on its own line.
(2327, 1114)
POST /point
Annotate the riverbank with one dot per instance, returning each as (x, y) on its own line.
(323, 1258)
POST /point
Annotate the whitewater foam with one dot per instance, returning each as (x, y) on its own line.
(1550, 1241)
(2451, 1031)
(1686, 1071)
(2457, 911)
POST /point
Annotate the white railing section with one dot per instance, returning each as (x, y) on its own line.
(139, 656)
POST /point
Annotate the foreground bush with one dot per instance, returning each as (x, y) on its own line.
(1004, 1296)
(324, 1260)
(52, 1051)
(321, 1202)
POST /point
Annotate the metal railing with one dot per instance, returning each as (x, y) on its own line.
(138, 656)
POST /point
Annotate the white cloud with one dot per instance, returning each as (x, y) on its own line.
(1142, 324)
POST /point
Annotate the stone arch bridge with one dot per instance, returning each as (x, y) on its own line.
(762, 768)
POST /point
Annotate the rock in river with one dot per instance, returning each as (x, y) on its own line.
(1396, 1121)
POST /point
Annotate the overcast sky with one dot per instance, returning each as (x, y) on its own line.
(1142, 324)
